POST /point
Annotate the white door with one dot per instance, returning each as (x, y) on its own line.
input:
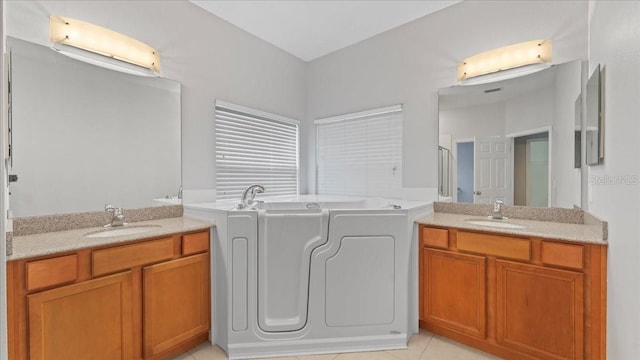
(492, 170)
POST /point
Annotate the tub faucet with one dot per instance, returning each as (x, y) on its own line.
(118, 216)
(497, 210)
(249, 194)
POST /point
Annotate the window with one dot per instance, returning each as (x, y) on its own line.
(360, 154)
(254, 147)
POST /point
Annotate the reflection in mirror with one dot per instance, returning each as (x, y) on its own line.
(84, 136)
(444, 158)
(578, 134)
(513, 140)
(595, 143)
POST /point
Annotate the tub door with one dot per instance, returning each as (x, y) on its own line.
(361, 280)
(285, 242)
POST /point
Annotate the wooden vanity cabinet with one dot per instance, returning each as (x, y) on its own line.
(455, 291)
(176, 303)
(147, 299)
(87, 320)
(540, 311)
(515, 297)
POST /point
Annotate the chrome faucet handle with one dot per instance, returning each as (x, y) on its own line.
(497, 209)
(117, 218)
(117, 211)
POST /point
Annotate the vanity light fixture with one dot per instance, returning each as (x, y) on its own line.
(504, 58)
(66, 32)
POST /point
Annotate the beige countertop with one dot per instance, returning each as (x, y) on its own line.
(544, 229)
(61, 241)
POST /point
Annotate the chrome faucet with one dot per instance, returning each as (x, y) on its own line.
(118, 216)
(249, 194)
(497, 210)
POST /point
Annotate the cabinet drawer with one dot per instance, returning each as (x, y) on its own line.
(567, 255)
(497, 245)
(50, 272)
(195, 243)
(438, 238)
(125, 257)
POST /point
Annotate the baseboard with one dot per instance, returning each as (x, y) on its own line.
(316, 346)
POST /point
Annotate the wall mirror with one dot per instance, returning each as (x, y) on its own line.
(512, 140)
(83, 136)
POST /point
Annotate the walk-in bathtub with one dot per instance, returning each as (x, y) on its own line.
(313, 274)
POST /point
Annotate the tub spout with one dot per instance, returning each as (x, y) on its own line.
(249, 194)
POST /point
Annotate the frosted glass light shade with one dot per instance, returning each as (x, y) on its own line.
(96, 39)
(508, 57)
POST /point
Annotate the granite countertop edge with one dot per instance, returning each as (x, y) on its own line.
(28, 246)
(543, 229)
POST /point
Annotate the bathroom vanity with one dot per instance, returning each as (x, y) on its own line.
(141, 296)
(521, 289)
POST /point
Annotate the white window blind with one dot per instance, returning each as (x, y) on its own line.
(254, 147)
(360, 154)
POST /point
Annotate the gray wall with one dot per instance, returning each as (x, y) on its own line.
(531, 111)
(614, 33)
(410, 63)
(477, 120)
(210, 57)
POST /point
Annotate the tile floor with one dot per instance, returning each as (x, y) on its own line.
(423, 346)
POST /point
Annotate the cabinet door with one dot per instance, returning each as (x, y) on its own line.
(89, 320)
(540, 310)
(454, 291)
(176, 302)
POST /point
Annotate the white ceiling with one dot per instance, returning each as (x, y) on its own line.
(309, 29)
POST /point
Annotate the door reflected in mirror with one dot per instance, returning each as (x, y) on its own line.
(512, 140)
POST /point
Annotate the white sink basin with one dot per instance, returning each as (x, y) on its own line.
(119, 231)
(495, 223)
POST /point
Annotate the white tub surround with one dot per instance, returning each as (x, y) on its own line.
(313, 274)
